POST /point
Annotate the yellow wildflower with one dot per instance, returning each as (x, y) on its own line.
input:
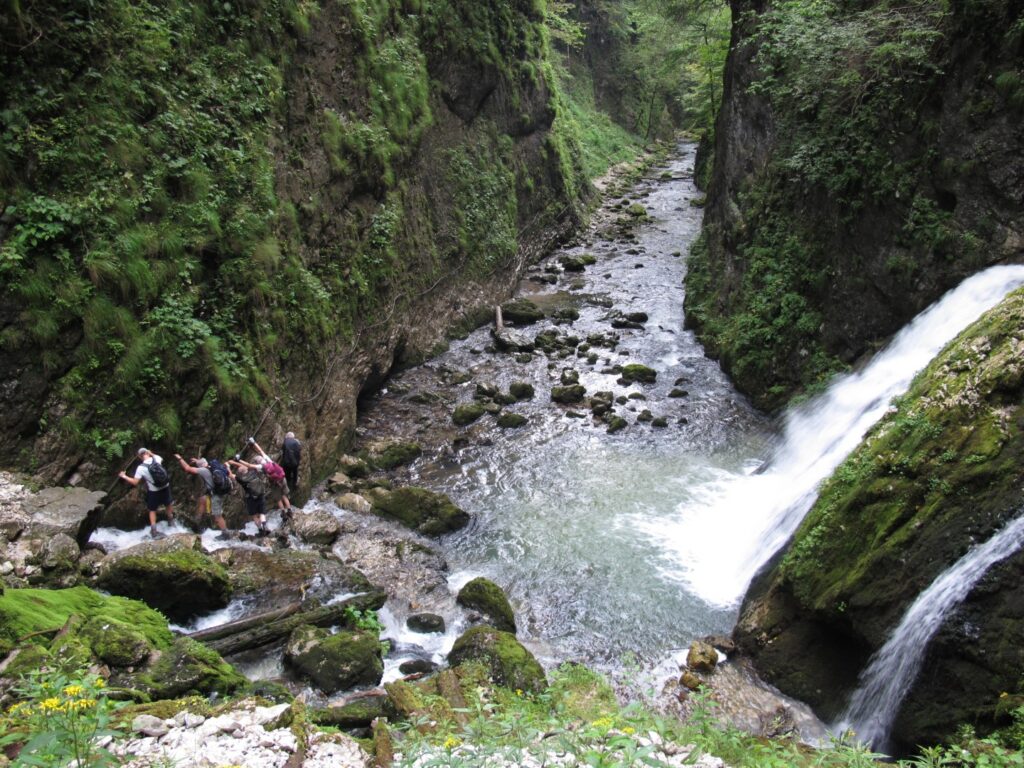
(1003, 695)
(52, 704)
(100, 683)
(73, 691)
(15, 708)
(629, 730)
(603, 722)
(519, 691)
(451, 742)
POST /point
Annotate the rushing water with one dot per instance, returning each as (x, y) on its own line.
(638, 542)
(887, 678)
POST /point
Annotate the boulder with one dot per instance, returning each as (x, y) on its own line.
(467, 413)
(570, 376)
(60, 553)
(358, 713)
(353, 502)
(676, 392)
(417, 508)
(486, 391)
(339, 482)
(690, 681)
(511, 421)
(354, 467)
(186, 668)
(638, 372)
(510, 664)
(394, 453)
(485, 596)
(74, 512)
(417, 667)
(335, 662)
(507, 339)
(616, 424)
(425, 622)
(521, 390)
(574, 393)
(172, 575)
(521, 312)
(317, 526)
(702, 657)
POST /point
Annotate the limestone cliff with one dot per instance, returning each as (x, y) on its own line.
(868, 158)
(942, 471)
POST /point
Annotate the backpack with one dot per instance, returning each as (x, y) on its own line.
(221, 478)
(274, 472)
(254, 484)
(291, 453)
(158, 475)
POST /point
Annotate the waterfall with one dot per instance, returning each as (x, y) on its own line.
(730, 526)
(892, 670)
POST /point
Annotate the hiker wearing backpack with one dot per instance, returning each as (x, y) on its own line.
(278, 488)
(254, 484)
(291, 455)
(158, 487)
(216, 485)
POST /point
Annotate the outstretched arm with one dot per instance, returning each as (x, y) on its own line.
(261, 451)
(133, 481)
(185, 465)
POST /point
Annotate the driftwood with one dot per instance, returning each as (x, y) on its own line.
(257, 631)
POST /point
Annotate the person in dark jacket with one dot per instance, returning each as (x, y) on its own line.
(291, 455)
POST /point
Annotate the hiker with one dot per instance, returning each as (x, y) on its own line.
(216, 485)
(291, 455)
(158, 487)
(254, 483)
(278, 489)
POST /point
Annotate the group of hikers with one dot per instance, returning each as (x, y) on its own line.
(262, 480)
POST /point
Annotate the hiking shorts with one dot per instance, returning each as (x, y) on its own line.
(214, 504)
(254, 506)
(275, 491)
(157, 499)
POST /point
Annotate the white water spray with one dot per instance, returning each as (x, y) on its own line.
(892, 670)
(729, 527)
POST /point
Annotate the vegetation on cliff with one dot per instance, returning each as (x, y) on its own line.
(941, 471)
(865, 157)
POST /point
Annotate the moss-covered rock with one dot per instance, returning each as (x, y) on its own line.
(467, 413)
(394, 454)
(172, 575)
(114, 642)
(335, 662)
(187, 667)
(353, 466)
(573, 393)
(521, 312)
(510, 664)
(521, 390)
(355, 714)
(417, 508)
(940, 472)
(638, 372)
(511, 421)
(485, 596)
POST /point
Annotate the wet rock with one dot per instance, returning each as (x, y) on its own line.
(508, 339)
(485, 596)
(544, 279)
(172, 575)
(358, 713)
(690, 681)
(511, 421)
(636, 317)
(417, 667)
(565, 315)
(638, 372)
(572, 263)
(335, 662)
(394, 453)
(724, 643)
(186, 667)
(317, 526)
(660, 422)
(524, 358)
(424, 397)
(600, 301)
(616, 424)
(353, 502)
(486, 391)
(521, 312)
(467, 413)
(424, 511)
(571, 394)
(637, 396)
(354, 467)
(622, 322)
(574, 415)
(676, 392)
(702, 657)
(621, 399)
(503, 398)
(510, 664)
(645, 416)
(339, 482)
(60, 553)
(521, 390)
(778, 723)
(426, 623)
(570, 376)
(74, 512)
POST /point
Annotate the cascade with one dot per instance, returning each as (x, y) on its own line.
(892, 670)
(728, 528)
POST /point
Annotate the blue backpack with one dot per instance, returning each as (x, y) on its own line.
(221, 479)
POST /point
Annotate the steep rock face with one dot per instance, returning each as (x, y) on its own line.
(413, 169)
(942, 471)
(866, 161)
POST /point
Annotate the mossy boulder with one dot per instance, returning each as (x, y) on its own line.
(638, 372)
(574, 393)
(485, 596)
(521, 390)
(701, 657)
(467, 413)
(115, 642)
(521, 312)
(394, 454)
(335, 662)
(616, 424)
(509, 663)
(940, 472)
(353, 466)
(511, 421)
(172, 575)
(426, 623)
(355, 714)
(187, 667)
(424, 511)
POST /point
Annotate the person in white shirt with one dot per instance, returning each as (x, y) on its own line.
(158, 487)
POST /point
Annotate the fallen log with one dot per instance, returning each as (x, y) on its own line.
(257, 631)
(240, 625)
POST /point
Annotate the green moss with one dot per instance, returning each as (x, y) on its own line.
(511, 420)
(418, 508)
(189, 667)
(467, 413)
(637, 372)
(396, 454)
(487, 597)
(510, 664)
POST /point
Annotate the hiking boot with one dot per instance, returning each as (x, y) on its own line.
(154, 533)
(262, 533)
(224, 536)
